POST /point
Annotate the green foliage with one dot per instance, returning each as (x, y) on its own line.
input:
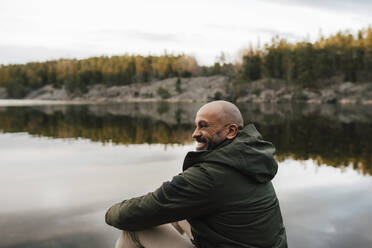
(305, 63)
(78, 75)
(17, 91)
(147, 95)
(252, 67)
(218, 69)
(163, 93)
(217, 96)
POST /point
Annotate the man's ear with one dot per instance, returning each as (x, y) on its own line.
(232, 131)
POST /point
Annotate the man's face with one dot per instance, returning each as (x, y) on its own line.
(209, 131)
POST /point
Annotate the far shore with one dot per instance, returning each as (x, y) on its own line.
(199, 89)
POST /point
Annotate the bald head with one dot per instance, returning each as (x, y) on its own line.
(225, 112)
(215, 122)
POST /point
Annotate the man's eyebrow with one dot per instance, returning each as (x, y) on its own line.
(201, 122)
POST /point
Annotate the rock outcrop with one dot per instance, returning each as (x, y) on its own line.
(344, 93)
(198, 89)
(202, 89)
(49, 93)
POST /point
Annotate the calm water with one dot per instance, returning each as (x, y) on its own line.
(63, 166)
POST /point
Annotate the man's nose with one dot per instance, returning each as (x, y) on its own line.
(196, 133)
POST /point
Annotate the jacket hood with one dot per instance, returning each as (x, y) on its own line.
(247, 153)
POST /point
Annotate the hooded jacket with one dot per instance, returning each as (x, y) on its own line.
(226, 195)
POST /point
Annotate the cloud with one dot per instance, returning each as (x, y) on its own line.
(256, 31)
(141, 35)
(157, 37)
(143, 27)
(274, 32)
(355, 6)
(12, 54)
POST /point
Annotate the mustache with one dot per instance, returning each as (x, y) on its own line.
(200, 140)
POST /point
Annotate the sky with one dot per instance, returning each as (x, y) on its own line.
(39, 30)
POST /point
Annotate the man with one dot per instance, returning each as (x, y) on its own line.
(224, 192)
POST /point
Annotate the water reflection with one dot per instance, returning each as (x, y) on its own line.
(329, 134)
(97, 123)
(55, 192)
(324, 207)
(63, 166)
(56, 228)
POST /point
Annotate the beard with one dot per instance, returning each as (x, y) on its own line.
(205, 143)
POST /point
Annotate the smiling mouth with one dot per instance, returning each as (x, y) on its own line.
(201, 146)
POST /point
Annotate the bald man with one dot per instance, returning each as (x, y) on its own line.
(223, 198)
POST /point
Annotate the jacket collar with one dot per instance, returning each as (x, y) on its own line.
(193, 157)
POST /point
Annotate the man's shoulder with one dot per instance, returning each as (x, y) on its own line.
(203, 169)
(213, 170)
(205, 166)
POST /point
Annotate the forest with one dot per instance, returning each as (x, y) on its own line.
(344, 55)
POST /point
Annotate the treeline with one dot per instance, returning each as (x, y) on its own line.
(343, 55)
(76, 74)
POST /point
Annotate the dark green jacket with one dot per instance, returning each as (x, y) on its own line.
(226, 194)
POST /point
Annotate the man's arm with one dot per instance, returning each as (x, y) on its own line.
(190, 194)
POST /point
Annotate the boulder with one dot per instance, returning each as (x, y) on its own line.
(328, 96)
(348, 100)
(286, 97)
(345, 87)
(309, 94)
(267, 96)
(281, 91)
(48, 93)
(314, 100)
(299, 95)
(39, 92)
(113, 91)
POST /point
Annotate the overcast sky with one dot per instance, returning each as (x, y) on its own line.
(38, 30)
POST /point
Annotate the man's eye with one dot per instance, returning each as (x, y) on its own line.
(201, 125)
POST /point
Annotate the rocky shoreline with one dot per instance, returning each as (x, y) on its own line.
(276, 91)
(203, 89)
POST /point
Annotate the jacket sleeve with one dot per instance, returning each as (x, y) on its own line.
(189, 194)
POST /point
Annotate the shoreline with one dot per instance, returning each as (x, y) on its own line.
(204, 89)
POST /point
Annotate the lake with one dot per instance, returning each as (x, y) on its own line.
(63, 165)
